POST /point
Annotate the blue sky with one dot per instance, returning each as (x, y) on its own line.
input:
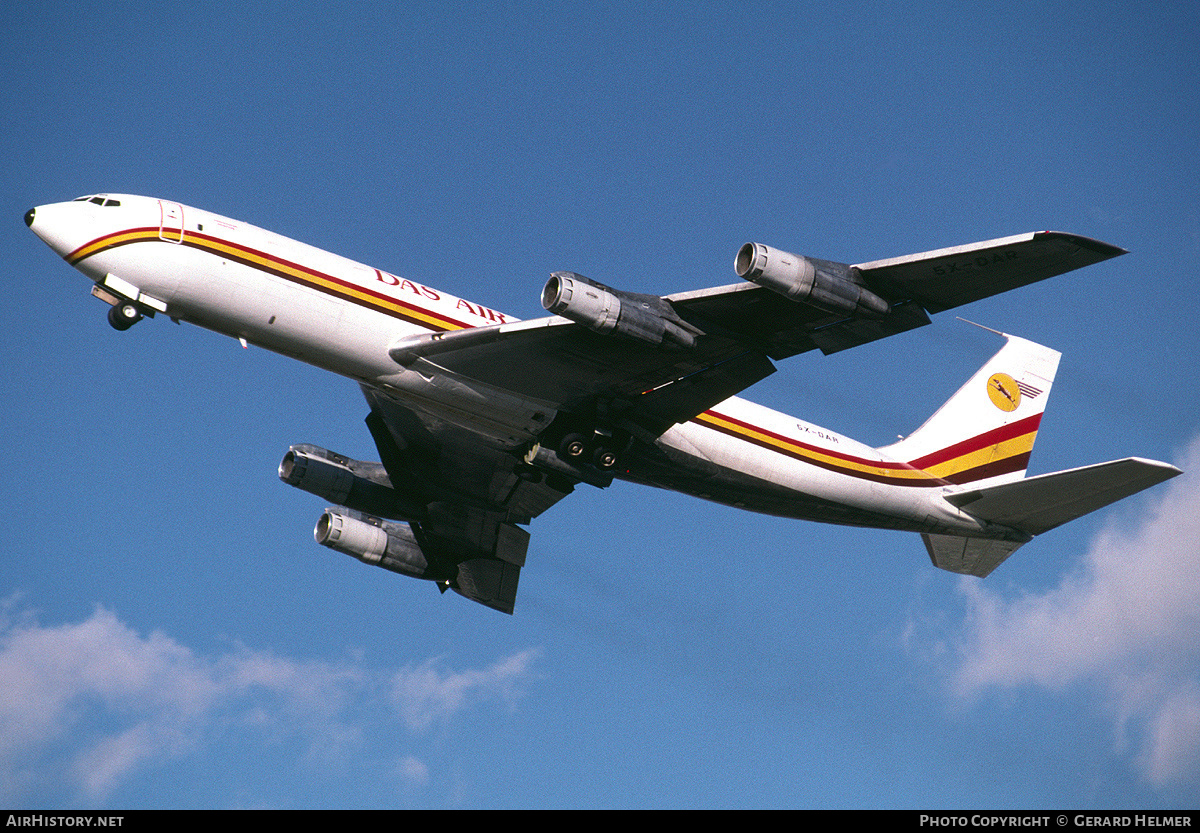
(170, 635)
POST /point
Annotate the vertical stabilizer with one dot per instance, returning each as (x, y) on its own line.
(984, 434)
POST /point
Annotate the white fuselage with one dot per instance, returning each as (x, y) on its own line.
(295, 299)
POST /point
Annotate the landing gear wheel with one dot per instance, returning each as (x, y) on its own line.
(604, 458)
(124, 315)
(573, 447)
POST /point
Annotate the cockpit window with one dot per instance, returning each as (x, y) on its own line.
(108, 203)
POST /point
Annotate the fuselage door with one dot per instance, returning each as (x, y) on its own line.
(170, 226)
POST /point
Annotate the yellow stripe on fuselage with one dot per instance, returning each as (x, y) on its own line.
(271, 264)
(111, 240)
(986, 455)
(846, 464)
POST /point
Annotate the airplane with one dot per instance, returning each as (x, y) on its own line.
(483, 421)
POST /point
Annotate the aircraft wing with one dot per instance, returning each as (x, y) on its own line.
(474, 496)
(477, 489)
(570, 368)
(738, 329)
(913, 284)
(947, 278)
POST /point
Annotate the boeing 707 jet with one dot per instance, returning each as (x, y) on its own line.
(483, 421)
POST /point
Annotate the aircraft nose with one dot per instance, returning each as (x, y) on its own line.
(62, 226)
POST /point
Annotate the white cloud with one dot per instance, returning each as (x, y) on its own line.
(412, 772)
(93, 703)
(1127, 621)
(424, 694)
(99, 768)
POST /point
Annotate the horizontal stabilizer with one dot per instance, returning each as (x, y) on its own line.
(971, 556)
(1036, 504)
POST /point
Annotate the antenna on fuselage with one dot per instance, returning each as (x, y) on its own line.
(980, 326)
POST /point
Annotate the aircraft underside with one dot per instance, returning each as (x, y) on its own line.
(743, 491)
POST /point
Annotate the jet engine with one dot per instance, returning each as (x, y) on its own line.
(391, 546)
(354, 483)
(605, 310)
(828, 286)
(489, 580)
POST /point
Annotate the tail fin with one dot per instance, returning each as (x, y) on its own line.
(980, 441)
(984, 434)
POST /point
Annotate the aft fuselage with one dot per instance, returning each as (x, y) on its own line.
(340, 315)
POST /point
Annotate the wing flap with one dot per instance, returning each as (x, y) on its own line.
(779, 327)
(678, 401)
(563, 363)
(490, 582)
(855, 331)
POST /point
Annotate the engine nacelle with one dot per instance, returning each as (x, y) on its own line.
(606, 310)
(354, 483)
(391, 546)
(820, 283)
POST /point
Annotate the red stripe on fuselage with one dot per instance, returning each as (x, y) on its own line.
(279, 267)
(805, 453)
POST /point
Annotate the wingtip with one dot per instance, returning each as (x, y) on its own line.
(1166, 470)
(1104, 250)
